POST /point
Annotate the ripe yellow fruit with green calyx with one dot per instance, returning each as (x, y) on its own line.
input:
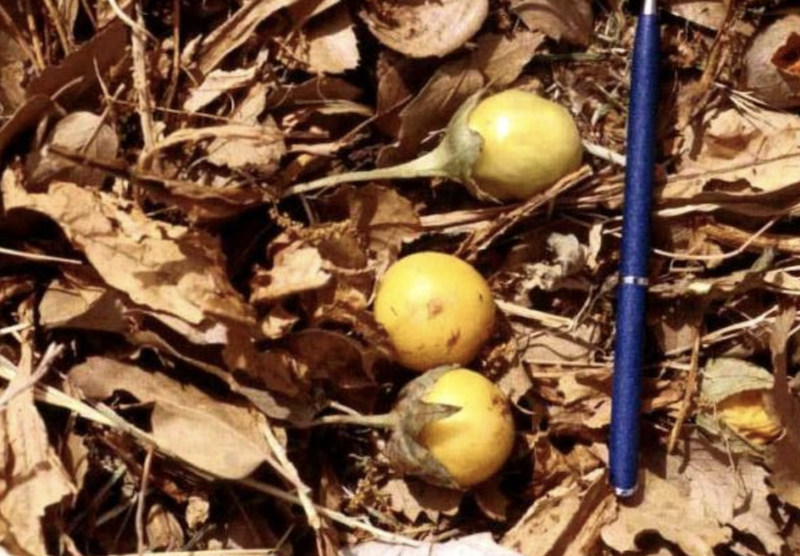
(529, 143)
(746, 414)
(450, 427)
(508, 146)
(474, 443)
(436, 308)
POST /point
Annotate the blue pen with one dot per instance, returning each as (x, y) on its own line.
(632, 292)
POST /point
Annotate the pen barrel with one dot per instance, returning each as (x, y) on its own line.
(632, 291)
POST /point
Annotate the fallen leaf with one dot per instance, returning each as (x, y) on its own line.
(165, 267)
(32, 478)
(567, 20)
(724, 376)
(420, 29)
(216, 84)
(413, 498)
(566, 521)
(661, 508)
(223, 439)
(295, 270)
(238, 28)
(498, 60)
(12, 74)
(328, 44)
(731, 490)
(738, 153)
(480, 544)
(708, 13)
(82, 132)
(164, 531)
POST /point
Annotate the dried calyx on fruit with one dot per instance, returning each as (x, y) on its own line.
(508, 146)
(451, 427)
(436, 308)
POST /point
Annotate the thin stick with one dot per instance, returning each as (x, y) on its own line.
(8, 21)
(176, 53)
(688, 394)
(384, 421)
(136, 28)
(140, 532)
(38, 257)
(14, 389)
(14, 328)
(294, 477)
(141, 84)
(61, 30)
(37, 45)
(547, 319)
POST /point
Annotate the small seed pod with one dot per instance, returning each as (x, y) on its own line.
(772, 63)
(506, 147)
(451, 427)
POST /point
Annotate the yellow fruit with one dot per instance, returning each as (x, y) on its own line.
(529, 143)
(746, 414)
(437, 310)
(475, 442)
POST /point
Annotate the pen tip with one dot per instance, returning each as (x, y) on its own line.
(650, 7)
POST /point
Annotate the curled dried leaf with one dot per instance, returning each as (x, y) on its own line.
(419, 28)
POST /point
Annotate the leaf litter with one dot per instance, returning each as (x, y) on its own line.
(173, 314)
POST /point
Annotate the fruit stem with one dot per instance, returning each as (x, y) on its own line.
(432, 164)
(383, 421)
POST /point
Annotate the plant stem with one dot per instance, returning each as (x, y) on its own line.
(432, 164)
(384, 421)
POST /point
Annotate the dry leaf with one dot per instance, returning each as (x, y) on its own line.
(661, 508)
(165, 267)
(419, 29)
(220, 438)
(12, 74)
(296, 269)
(566, 521)
(567, 20)
(216, 84)
(328, 44)
(164, 531)
(738, 153)
(708, 13)
(724, 376)
(81, 132)
(733, 491)
(239, 27)
(32, 478)
(498, 60)
(412, 498)
(480, 544)
(261, 154)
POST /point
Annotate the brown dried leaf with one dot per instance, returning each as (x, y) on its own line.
(708, 13)
(165, 267)
(72, 78)
(239, 27)
(164, 531)
(296, 269)
(662, 508)
(419, 29)
(12, 74)
(261, 154)
(82, 132)
(568, 20)
(328, 44)
(739, 153)
(732, 491)
(412, 498)
(216, 84)
(32, 477)
(223, 439)
(566, 521)
(27, 116)
(480, 544)
(497, 61)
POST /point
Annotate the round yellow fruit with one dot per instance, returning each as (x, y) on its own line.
(746, 414)
(529, 143)
(474, 443)
(437, 309)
